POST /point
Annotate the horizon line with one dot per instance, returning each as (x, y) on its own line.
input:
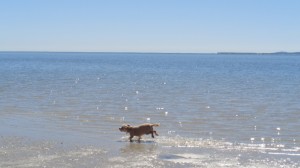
(154, 52)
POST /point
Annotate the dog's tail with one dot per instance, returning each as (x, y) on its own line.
(156, 125)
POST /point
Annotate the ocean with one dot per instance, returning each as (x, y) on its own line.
(214, 110)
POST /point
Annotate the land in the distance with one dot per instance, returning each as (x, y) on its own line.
(247, 53)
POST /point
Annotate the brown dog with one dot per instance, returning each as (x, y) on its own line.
(139, 130)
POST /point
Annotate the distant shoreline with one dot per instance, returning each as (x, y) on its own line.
(128, 52)
(250, 53)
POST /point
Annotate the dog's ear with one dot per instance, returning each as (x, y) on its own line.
(128, 125)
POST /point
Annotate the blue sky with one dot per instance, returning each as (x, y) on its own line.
(150, 26)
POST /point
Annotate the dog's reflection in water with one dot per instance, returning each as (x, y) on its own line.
(143, 147)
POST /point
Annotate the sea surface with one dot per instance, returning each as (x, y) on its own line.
(214, 110)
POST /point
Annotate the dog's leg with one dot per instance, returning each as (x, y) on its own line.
(152, 134)
(155, 133)
(130, 138)
(140, 138)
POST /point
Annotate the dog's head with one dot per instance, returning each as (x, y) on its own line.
(125, 128)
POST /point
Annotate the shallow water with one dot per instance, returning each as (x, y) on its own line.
(64, 110)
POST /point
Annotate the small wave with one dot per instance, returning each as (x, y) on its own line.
(281, 153)
(181, 142)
